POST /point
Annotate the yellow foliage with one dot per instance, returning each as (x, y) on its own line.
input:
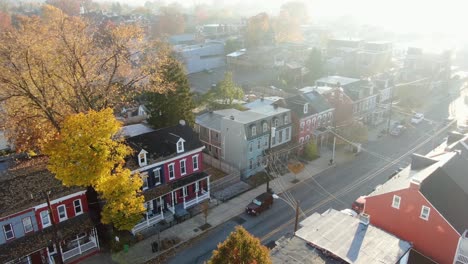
(87, 152)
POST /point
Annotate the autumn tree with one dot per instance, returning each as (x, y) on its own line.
(69, 7)
(241, 247)
(311, 150)
(55, 65)
(166, 109)
(227, 90)
(87, 152)
(5, 21)
(259, 31)
(287, 24)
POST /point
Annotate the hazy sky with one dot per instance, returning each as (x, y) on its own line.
(398, 15)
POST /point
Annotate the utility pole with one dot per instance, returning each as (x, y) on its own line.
(390, 110)
(54, 226)
(333, 152)
(297, 216)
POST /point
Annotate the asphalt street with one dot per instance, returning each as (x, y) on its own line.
(335, 188)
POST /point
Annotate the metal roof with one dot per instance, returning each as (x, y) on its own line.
(333, 80)
(350, 240)
(212, 120)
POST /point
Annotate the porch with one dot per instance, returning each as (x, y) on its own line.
(79, 245)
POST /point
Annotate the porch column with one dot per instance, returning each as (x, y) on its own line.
(161, 206)
(183, 196)
(172, 193)
(208, 184)
(79, 246)
(196, 190)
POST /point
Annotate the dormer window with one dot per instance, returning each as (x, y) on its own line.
(306, 108)
(142, 158)
(286, 120)
(276, 122)
(180, 145)
(254, 130)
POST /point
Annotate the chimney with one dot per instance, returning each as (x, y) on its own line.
(414, 184)
(364, 219)
(182, 122)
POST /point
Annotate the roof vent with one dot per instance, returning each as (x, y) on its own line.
(364, 219)
(182, 122)
(232, 117)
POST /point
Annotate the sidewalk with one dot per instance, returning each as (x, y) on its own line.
(185, 231)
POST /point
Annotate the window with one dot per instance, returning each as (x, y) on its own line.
(425, 212)
(250, 147)
(77, 206)
(259, 143)
(396, 201)
(302, 126)
(183, 170)
(276, 122)
(157, 176)
(307, 138)
(171, 171)
(180, 146)
(266, 142)
(314, 121)
(273, 141)
(8, 230)
(27, 225)
(286, 120)
(265, 127)
(301, 140)
(306, 108)
(259, 158)
(308, 124)
(287, 133)
(280, 136)
(45, 219)
(250, 164)
(184, 191)
(142, 158)
(144, 177)
(195, 162)
(254, 131)
(62, 212)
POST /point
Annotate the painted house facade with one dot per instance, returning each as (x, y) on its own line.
(311, 116)
(27, 224)
(245, 136)
(170, 162)
(426, 204)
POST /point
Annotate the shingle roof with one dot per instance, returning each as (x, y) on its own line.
(22, 186)
(161, 144)
(317, 102)
(447, 190)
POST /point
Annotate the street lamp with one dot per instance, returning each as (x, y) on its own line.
(296, 209)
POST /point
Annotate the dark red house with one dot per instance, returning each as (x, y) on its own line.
(426, 204)
(170, 163)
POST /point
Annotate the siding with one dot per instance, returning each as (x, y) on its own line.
(188, 167)
(16, 222)
(69, 208)
(434, 237)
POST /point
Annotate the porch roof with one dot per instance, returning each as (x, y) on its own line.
(38, 240)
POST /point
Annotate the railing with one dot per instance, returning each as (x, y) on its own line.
(197, 200)
(80, 249)
(170, 208)
(147, 223)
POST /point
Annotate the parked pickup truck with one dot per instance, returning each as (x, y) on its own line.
(259, 204)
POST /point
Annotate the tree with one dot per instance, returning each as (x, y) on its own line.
(314, 64)
(69, 7)
(56, 65)
(258, 31)
(166, 109)
(205, 207)
(87, 152)
(287, 28)
(227, 91)
(5, 21)
(171, 22)
(241, 247)
(356, 132)
(232, 45)
(311, 151)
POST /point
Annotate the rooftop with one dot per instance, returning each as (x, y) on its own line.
(263, 102)
(212, 120)
(351, 240)
(334, 80)
(320, 89)
(135, 130)
(268, 110)
(22, 186)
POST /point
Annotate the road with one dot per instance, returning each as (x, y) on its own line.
(334, 188)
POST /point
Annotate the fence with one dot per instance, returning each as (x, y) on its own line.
(219, 164)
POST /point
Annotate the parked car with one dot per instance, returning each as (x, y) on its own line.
(259, 204)
(417, 118)
(397, 130)
(358, 205)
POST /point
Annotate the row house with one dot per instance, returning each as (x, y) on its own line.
(27, 224)
(170, 162)
(311, 115)
(425, 204)
(363, 94)
(244, 137)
